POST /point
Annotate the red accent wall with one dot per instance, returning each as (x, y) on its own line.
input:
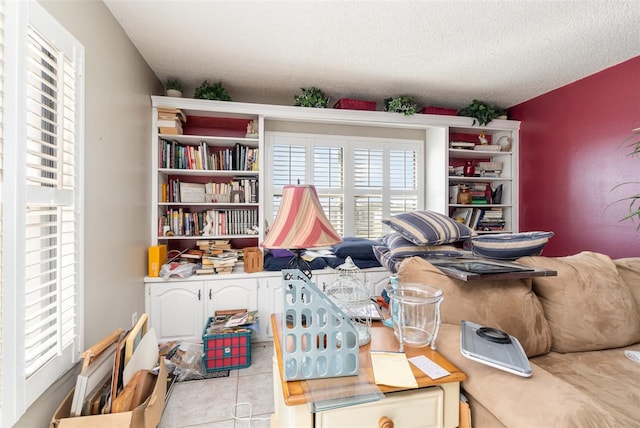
(571, 159)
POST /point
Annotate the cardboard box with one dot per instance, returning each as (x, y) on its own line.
(157, 257)
(146, 415)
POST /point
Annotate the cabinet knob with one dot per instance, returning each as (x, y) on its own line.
(385, 422)
(199, 295)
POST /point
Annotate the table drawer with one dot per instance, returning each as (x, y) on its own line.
(416, 409)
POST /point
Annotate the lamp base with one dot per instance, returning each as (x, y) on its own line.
(297, 262)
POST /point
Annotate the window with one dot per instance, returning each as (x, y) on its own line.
(42, 183)
(359, 180)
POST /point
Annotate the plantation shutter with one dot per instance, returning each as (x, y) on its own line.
(51, 250)
(43, 186)
(359, 181)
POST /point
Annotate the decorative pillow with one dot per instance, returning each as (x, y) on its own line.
(356, 248)
(399, 248)
(509, 304)
(428, 228)
(587, 305)
(510, 246)
(384, 257)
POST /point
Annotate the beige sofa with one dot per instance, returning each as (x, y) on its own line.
(574, 328)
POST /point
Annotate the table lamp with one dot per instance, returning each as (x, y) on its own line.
(299, 225)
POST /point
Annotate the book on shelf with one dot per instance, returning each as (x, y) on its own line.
(173, 126)
(192, 192)
(463, 215)
(461, 145)
(487, 147)
(171, 112)
(168, 130)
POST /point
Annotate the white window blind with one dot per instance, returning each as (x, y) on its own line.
(360, 181)
(46, 191)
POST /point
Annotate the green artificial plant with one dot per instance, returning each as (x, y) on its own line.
(482, 113)
(211, 91)
(402, 104)
(633, 144)
(311, 97)
(173, 84)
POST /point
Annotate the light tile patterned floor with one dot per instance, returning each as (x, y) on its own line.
(209, 403)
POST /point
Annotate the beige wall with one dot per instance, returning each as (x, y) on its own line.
(118, 83)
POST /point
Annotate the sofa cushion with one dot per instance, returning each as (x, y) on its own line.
(595, 372)
(428, 228)
(400, 248)
(541, 401)
(588, 306)
(629, 271)
(509, 305)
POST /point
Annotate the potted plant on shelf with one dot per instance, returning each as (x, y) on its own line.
(482, 113)
(211, 91)
(402, 104)
(633, 143)
(173, 88)
(311, 97)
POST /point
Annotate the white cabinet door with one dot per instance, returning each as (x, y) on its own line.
(230, 293)
(176, 309)
(270, 303)
(376, 281)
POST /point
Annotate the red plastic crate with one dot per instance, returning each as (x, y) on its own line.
(439, 110)
(226, 351)
(351, 104)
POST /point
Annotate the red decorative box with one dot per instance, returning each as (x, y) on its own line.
(439, 110)
(226, 351)
(351, 104)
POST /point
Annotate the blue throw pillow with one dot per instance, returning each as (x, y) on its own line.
(278, 263)
(356, 248)
(428, 228)
(510, 246)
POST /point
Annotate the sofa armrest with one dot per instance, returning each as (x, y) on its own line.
(542, 400)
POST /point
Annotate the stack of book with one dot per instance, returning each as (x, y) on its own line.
(492, 219)
(467, 145)
(490, 169)
(218, 257)
(170, 120)
(220, 263)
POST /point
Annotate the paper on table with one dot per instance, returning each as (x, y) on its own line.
(430, 368)
(392, 369)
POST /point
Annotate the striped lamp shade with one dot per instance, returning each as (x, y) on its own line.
(300, 222)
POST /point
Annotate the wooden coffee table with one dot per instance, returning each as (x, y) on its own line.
(435, 403)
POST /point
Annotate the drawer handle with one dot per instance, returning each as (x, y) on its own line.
(385, 422)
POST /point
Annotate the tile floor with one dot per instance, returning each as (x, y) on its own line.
(209, 403)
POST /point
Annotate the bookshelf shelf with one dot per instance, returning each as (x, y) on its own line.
(210, 204)
(195, 140)
(198, 237)
(460, 179)
(208, 172)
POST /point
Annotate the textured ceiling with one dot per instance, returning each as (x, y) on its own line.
(442, 53)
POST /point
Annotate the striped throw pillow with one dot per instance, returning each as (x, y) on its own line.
(428, 228)
(510, 246)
